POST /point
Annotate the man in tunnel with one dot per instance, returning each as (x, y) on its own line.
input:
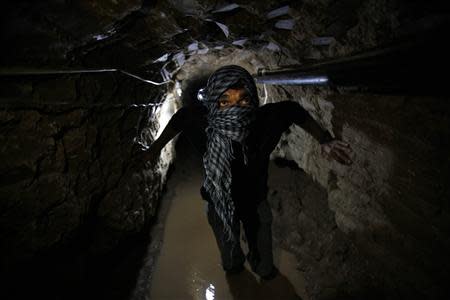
(236, 136)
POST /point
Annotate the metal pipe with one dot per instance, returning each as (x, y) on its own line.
(293, 78)
(336, 71)
(7, 73)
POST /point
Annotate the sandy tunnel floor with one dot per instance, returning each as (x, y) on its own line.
(188, 266)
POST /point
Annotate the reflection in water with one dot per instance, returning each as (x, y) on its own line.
(210, 292)
(188, 266)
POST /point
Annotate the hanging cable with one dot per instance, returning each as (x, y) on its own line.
(7, 73)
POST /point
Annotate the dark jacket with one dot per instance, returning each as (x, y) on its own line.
(249, 182)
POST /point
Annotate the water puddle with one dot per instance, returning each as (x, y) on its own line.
(189, 263)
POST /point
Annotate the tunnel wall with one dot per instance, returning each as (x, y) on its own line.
(390, 206)
(67, 186)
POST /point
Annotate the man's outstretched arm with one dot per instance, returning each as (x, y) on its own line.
(314, 129)
(173, 127)
(331, 148)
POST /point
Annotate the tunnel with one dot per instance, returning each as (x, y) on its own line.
(87, 86)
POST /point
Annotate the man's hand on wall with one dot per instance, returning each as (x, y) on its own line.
(337, 150)
(140, 156)
(151, 155)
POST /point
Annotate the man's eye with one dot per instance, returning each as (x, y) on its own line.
(245, 101)
(223, 102)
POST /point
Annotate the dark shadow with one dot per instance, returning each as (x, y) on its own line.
(73, 272)
(245, 286)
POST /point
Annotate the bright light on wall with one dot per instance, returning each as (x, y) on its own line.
(163, 114)
(178, 88)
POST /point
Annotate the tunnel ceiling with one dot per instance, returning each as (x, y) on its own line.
(153, 36)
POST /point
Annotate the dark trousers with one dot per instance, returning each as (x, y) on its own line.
(257, 222)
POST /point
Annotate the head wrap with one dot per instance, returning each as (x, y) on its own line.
(224, 126)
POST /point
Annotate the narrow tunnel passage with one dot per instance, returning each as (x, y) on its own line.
(188, 266)
(83, 83)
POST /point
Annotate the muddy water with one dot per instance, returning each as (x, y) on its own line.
(188, 266)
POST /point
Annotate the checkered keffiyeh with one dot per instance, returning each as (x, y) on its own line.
(225, 126)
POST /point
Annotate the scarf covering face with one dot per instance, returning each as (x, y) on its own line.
(224, 126)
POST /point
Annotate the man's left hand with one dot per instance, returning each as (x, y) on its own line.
(337, 150)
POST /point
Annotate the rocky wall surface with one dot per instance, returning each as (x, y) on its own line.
(65, 175)
(331, 263)
(391, 204)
